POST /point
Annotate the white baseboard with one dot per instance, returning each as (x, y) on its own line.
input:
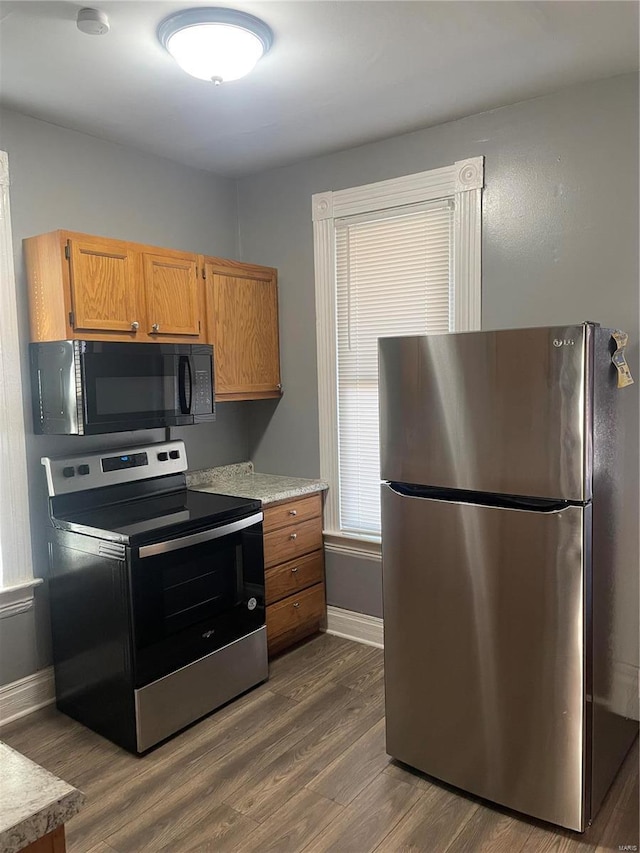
(26, 695)
(355, 626)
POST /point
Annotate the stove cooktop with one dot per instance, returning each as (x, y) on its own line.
(152, 519)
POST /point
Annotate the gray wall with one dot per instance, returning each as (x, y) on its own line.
(560, 245)
(64, 179)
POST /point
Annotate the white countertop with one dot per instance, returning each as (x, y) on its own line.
(242, 481)
(33, 802)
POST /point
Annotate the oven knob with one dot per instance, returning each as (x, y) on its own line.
(252, 603)
(163, 456)
(83, 469)
(174, 454)
(69, 471)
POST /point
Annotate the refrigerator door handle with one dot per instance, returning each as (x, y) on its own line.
(519, 502)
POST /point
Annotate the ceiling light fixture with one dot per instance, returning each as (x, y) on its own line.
(215, 44)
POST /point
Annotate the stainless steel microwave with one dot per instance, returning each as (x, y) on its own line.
(92, 387)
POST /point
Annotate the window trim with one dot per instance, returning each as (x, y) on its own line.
(463, 181)
(16, 580)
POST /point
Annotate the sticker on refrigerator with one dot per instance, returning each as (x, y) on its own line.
(624, 374)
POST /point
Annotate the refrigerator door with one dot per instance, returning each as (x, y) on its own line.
(484, 650)
(502, 412)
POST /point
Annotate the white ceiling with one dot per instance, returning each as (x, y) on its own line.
(338, 74)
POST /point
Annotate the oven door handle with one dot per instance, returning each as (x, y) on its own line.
(197, 538)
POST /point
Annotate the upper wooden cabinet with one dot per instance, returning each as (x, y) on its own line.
(102, 276)
(171, 284)
(82, 286)
(242, 322)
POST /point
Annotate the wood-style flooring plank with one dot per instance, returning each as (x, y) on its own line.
(67, 753)
(367, 675)
(353, 769)
(197, 824)
(404, 773)
(489, 831)
(364, 822)
(303, 656)
(296, 823)
(50, 722)
(274, 783)
(433, 823)
(334, 666)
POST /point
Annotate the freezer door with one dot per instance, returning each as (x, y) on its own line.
(484, 650)
(501, 412)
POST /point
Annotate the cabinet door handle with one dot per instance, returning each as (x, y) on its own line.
(296, 604)
(155, 328)
(294, 570)
(293, 536)
(135, 325)
(293, 512)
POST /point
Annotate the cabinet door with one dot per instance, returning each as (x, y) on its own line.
(171, 286)
(103, 294)
(243, 317)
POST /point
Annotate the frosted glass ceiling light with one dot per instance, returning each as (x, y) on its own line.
(215, 44)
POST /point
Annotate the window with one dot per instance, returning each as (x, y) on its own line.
(16, 572)
(399, 257)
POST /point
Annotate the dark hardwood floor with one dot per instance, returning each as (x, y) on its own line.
(297, 764)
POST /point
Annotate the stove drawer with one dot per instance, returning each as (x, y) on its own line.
(295, 617)
(292, 541)
(291, 577)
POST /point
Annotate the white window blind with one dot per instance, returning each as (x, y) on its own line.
(393, 277)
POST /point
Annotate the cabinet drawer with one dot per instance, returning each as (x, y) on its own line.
(292, 541)
(299, 510)
(295, 617)
(291, 577)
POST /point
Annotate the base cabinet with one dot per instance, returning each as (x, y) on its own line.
(52, 842)
(294, 571)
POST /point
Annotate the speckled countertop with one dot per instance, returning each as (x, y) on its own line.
(242, 481)
(33, 801)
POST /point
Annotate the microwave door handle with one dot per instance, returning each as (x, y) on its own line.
(184, 368)
(198, 538)
(62, 392)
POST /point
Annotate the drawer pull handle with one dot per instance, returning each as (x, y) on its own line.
(293, 536)
(293, 512)
(294, 570)
(296, 604)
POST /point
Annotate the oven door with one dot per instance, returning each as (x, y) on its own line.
(194, 594)
(129, 386)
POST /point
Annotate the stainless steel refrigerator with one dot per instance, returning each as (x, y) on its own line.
(502, 454)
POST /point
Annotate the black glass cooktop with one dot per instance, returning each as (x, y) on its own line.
(152, 519)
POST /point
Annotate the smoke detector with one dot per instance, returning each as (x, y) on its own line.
(93, 22)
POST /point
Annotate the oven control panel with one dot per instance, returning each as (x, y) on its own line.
(110, 467)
